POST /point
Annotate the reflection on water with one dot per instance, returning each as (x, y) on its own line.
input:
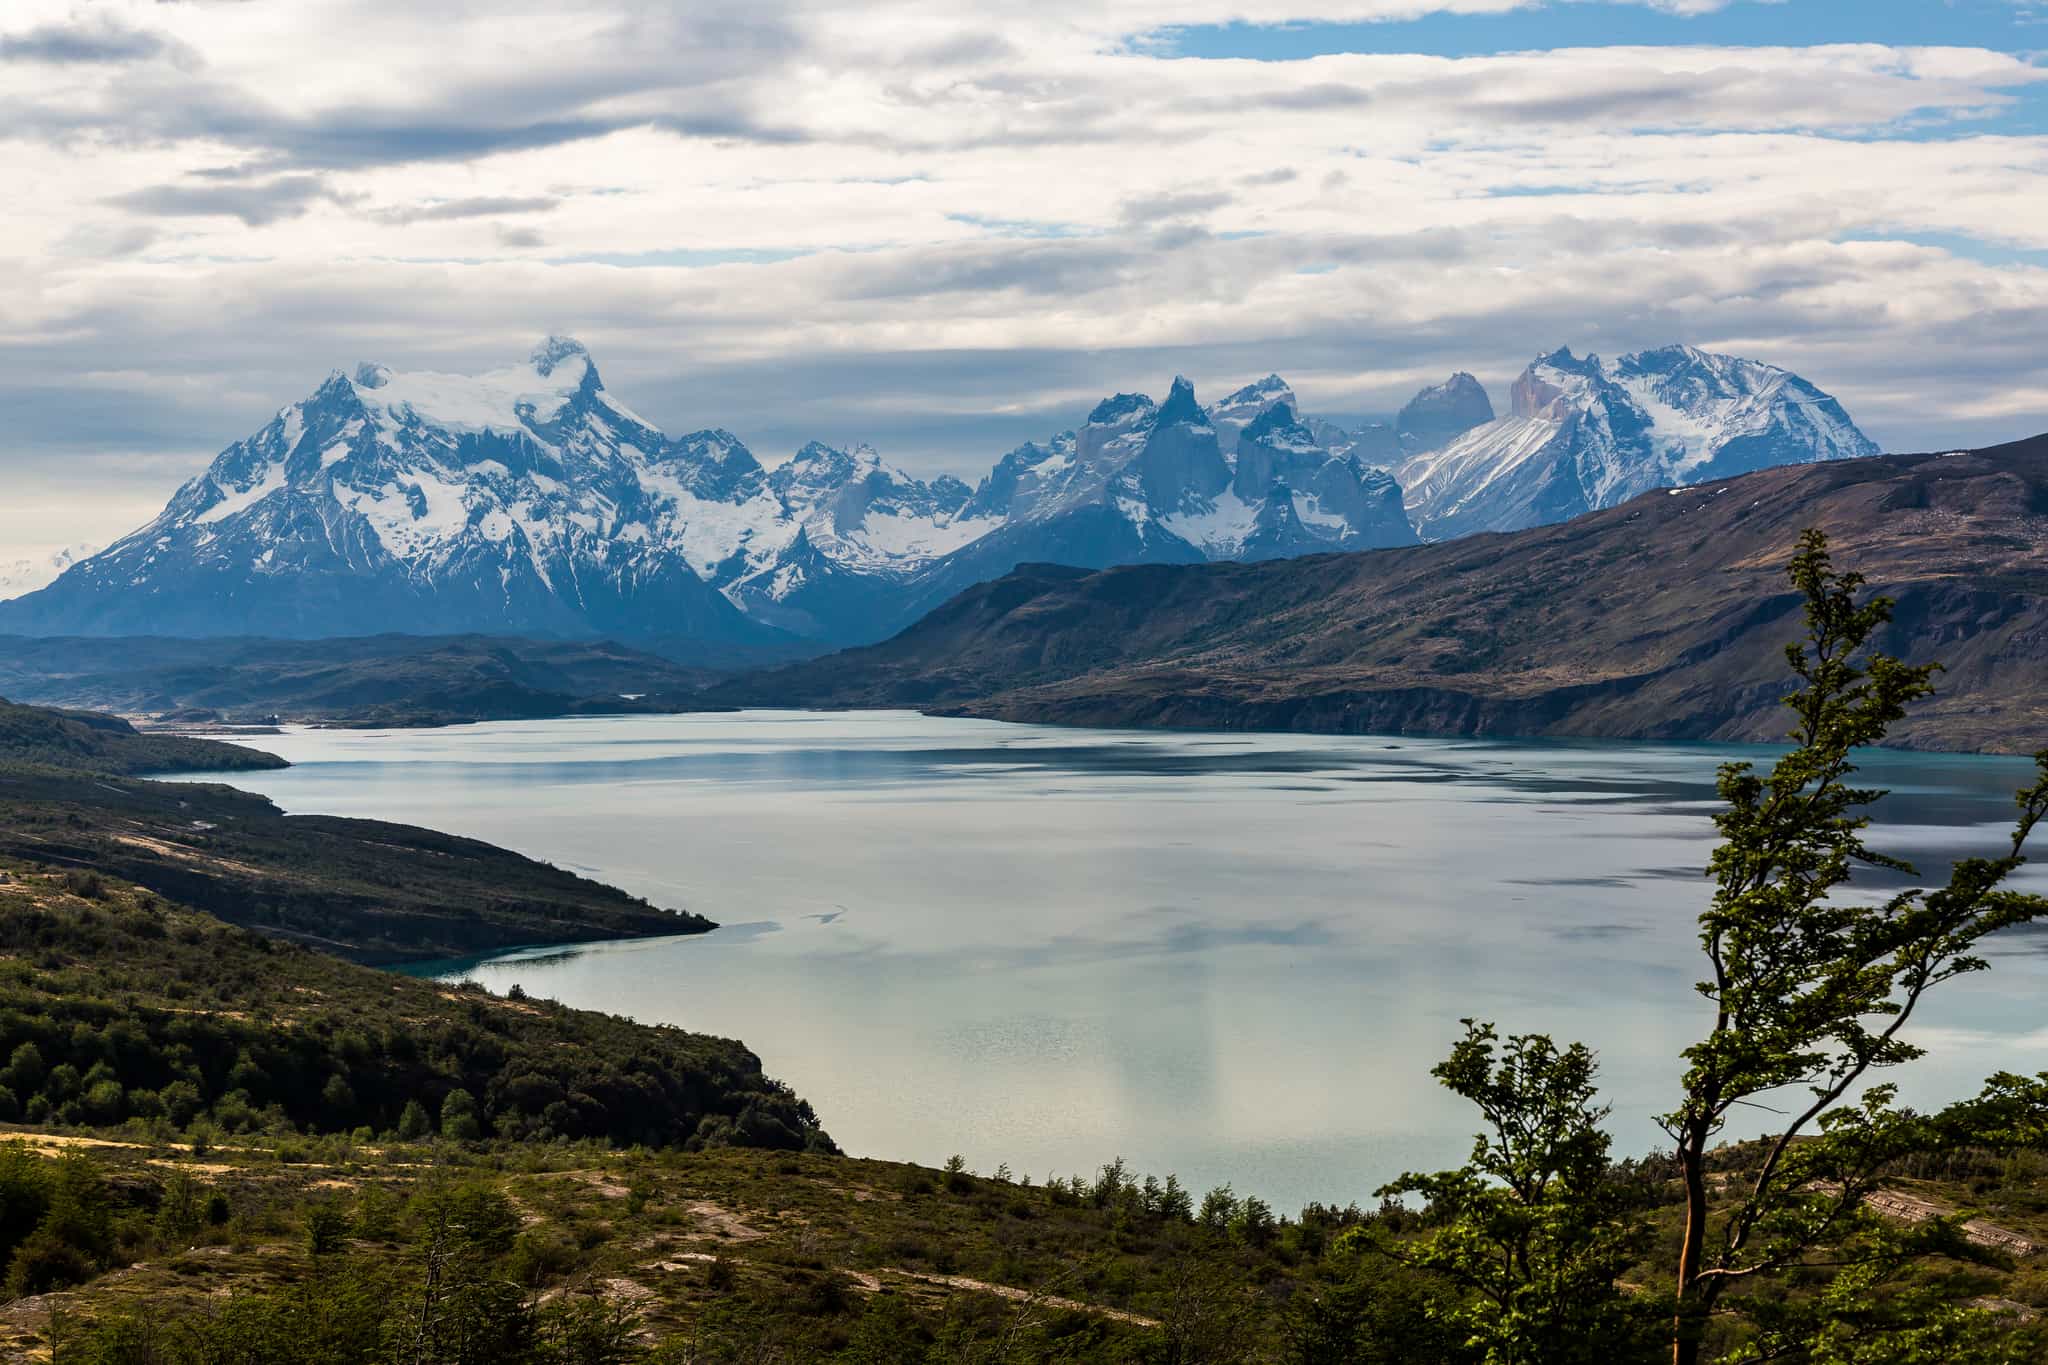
(1235, 957)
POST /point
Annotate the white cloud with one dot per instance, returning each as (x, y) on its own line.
(965, 230)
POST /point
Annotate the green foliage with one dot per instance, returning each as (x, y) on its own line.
(1383, 1314)
(458, 1117)
(71, 1238)
(365, 889)
(182, 1213)
(413, 1123)
(1219, 1209)
(327, 1228)
(446, 1300)
(1532, 1229)
(24, 1197)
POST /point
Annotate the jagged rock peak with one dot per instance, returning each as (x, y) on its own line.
(1445, 410)
(527, 499)
(1180, 405)
(1586, 433)
(1548, 378)
(1276, 418)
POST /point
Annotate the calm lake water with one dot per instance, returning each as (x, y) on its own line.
(1233, 957)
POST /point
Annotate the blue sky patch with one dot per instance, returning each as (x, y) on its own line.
(1996, 24)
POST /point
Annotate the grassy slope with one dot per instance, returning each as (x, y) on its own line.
(744, 1256)
(739, 1256)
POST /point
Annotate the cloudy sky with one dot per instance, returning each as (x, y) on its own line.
(945, 228)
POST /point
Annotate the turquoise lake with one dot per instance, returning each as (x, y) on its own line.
(1232, 957)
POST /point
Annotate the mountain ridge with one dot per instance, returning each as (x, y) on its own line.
(1662, 618)
(528, 500)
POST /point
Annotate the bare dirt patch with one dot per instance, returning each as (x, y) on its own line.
(1016, 1295)
(722, 1222)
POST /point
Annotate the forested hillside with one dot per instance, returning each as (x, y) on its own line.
(117, 1004)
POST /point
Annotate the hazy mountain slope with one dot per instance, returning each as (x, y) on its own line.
(385, 678)
(1664, 617)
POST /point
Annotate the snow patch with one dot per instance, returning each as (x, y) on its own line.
(234, 501)
(1221, 529)
(511, 400)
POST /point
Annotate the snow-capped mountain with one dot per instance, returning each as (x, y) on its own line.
(25, 575)
(1142, 482)
(1584, 433)
(522, 500)
(1309, 497)
(526, 499)
(529, 500)
(1238, 411)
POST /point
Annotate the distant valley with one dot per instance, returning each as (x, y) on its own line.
(530, 501)
(381, 680)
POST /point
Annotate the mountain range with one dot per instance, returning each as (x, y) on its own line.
(24, 575)
(1663, 618)
(530, 501)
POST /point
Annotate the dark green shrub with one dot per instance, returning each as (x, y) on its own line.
(327, 1228)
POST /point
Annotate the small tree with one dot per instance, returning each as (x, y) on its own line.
(1811, 990)
(183, 1211)
(458, 1117)
(1219, 1207)
(413, 1123)
(328, 1227)
(25, 1071)
(340, 1099)
(1532, 1231)
(1254, 1224)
